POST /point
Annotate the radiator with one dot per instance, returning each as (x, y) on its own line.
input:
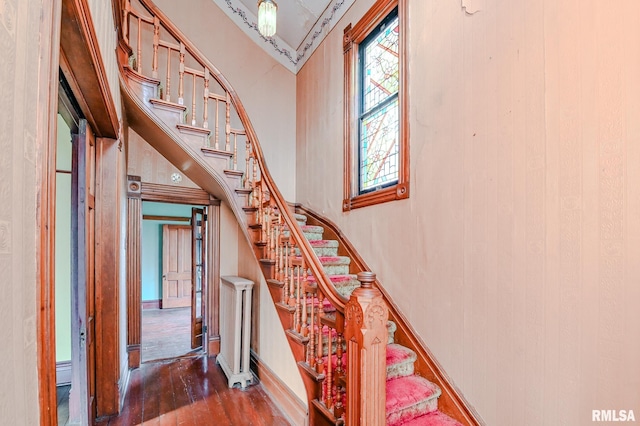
(235, 329)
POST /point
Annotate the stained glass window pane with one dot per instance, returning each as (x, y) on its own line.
(379, 147)
(381, 67)
(379, 131)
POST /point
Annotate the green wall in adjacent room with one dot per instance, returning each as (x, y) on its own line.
(152, 244)
(63, 243)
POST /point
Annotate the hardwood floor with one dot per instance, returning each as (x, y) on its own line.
(166, 333)
(192, 391)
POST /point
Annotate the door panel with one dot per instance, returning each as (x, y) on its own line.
(82, 407)
(176, 266)
(198, 255)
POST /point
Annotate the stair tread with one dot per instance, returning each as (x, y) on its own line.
(400, 361)
(324, 243)
(408, 393)
(434, 418)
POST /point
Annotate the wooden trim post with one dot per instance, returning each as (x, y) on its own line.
(366, 333)
(107, 270)
(134, 271)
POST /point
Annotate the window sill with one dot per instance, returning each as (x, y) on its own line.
(399, 191)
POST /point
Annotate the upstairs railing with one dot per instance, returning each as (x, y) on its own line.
(315, 322)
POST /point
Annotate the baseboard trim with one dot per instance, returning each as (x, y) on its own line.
(214, 345)
(152, 304)
(63, 373)
(133, 352)
(291, 406)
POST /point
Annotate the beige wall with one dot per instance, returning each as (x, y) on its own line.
(144, 161)
(266, 88)
(24, 76)
(516, 257)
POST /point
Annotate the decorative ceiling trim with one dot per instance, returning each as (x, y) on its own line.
(292, 59)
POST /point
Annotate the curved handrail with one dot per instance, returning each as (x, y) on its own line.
(305, 248)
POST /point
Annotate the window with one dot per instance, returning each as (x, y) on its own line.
(376, 129)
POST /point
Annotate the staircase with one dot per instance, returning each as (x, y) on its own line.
(410, 399)
(322, 304)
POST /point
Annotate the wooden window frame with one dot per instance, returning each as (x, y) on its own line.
(353, 37)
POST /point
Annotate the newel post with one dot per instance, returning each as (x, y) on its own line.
(366, 317)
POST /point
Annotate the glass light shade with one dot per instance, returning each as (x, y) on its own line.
(267, 17)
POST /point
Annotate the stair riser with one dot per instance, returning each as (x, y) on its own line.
(400, 370)
(336, 269)
(322, 251)
(424, 407)
(313, 235)
(170, 118)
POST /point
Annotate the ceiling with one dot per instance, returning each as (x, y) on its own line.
(301, 26)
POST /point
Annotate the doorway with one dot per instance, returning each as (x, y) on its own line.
(173, 245)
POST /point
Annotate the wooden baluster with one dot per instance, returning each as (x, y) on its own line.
(254, 179)
(247, 159)
(329, 368)
(339, 353)
(265, 227)
(319, 354)
(338, 409)
(227, 144)
(156, 41)
(125, 21)
(139, 58)
(259, 198)
(167, 92)
(304, 330)
(311, 345)
(181, 76)
(292, 288)
(274, 248)
(274, 218)
(285, 280)
(193, 102)
(298, 318)
(217, 138)
(205, 105)
(287, 260)
(235, 151)
(283, 251)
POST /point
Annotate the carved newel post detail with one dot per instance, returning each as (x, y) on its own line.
(366, 317)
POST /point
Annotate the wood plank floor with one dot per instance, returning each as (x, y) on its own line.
(192, 391)
(166, 333)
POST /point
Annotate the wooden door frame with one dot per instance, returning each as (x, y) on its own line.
(76, 51)
(139, 191)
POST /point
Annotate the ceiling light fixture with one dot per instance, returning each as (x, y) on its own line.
(267, 17)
